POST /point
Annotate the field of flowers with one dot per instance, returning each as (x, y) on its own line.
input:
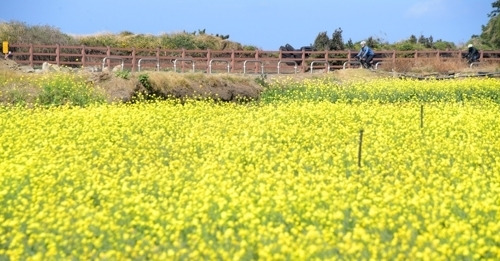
(283, 178)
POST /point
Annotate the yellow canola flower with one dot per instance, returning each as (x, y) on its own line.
(203, 180)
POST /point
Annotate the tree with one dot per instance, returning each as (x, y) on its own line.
(491, 33)
(427, 42)
(490, 36)
(430, 41)
(337, 43)
(422, 40)
(322, 42)
(496, 9)
(443, 45)
(350, 44)
(413, 39)
(373, 43)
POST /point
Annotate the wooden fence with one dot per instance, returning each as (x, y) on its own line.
(216, 61)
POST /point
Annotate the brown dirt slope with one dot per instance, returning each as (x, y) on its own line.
(223, 87)
(6, 64)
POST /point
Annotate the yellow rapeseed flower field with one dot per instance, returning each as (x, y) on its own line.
(284, 180)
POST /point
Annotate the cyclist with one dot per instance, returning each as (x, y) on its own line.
(365, 55)
(473, 54)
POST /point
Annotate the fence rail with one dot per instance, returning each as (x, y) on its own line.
(235, 60)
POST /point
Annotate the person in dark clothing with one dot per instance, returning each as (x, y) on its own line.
(473, 54)
(365, 55)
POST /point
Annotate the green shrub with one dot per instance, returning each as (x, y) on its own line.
(16, 96)
(262, 80)
(124, 74)
(61, 89)
(144, 80)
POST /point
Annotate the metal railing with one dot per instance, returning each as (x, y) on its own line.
(111, 58)
(218, 60)
(325, 62)
(253, 61)
(344, 66)
(148, 59)
(183, 60)
(295, 67)
(474, 64)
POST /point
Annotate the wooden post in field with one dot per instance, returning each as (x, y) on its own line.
(360, 147)
(421, 116)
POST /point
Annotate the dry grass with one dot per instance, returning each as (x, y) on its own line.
(117, 89)
(167, 81)
(439, 66)
(172, 79)
(218, 86)
(15, 88)
(9, 74)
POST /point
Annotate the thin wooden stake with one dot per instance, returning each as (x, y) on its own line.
(360, 147)
(421, 116)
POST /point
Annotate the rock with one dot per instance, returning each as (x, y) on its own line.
(117, 68)
(46, 67)
(90, 69)
(26, 69)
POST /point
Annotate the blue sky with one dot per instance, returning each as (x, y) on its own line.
(267, 24)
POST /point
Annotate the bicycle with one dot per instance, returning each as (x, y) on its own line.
(364, 64)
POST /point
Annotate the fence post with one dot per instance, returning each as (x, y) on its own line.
(327, 69)
(394, 58)
(133, 60)
(58, 54)
(83, 55)
(256, 68)
(304, 65)
(158, 57)
(108, 54)
(209, 57)
(233, 63)
(31, 55)
(183, 56)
